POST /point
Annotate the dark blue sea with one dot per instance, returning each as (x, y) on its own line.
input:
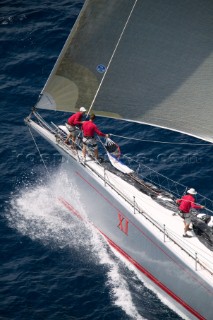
(52, 267)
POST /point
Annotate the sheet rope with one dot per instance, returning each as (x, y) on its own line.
(163, 142)
(113, 53)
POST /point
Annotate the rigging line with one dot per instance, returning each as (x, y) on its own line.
(113, 53)
(39, 151)
(102, 144)
(208, 210)
(173, 181)
(192, 248)
(163, 142)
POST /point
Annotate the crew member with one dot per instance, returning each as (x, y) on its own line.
(186, 203)
(89, 130)
(73, 125)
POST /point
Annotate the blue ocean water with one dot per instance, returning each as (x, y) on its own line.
(52, 267)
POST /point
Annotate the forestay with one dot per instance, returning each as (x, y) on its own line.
(161, 71)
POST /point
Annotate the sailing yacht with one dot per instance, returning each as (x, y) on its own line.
(149, 62)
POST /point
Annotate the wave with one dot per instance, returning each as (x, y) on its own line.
(36, 212)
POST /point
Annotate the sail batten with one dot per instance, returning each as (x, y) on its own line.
(161, 73)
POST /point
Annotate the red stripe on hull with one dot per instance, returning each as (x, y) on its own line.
(152, 278)
(70, 208)
(136, 264)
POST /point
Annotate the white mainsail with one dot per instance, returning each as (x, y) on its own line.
(161, 73)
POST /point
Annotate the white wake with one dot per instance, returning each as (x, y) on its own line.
(36, 212)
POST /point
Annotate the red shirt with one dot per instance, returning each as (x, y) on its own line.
(75, 119)
(187, 202)
(89, 129)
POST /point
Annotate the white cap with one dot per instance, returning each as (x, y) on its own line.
(192, 191)
(82, 109)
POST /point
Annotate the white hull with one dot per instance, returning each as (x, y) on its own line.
(139, 237)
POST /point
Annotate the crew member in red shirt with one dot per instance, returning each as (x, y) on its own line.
(73, 125)
(89, 130)
(186, 203)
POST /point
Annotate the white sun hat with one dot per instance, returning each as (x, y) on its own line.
(82, 109)
(192, 191)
